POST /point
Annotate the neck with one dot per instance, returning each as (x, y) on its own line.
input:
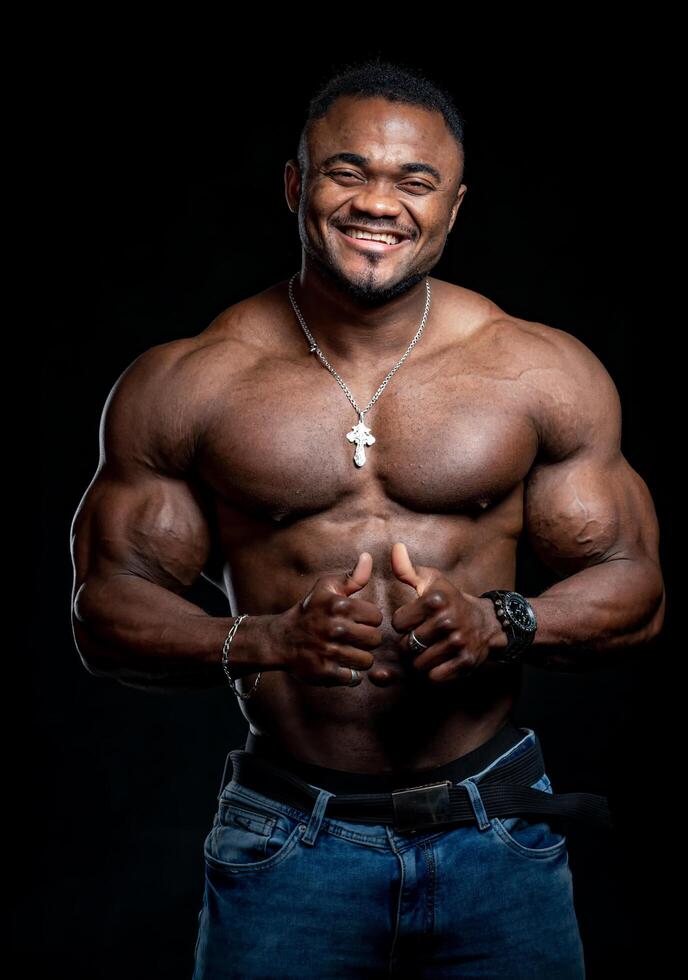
(352, 333)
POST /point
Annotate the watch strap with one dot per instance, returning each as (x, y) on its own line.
(518, 641)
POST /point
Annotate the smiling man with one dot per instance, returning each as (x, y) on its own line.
(352, 455)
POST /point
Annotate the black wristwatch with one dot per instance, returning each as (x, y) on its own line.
(518, 620)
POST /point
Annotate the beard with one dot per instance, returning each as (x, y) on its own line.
(362, 289)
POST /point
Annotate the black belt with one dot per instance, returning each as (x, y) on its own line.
(505, 790)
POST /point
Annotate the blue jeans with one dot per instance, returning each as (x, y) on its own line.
(295, 894)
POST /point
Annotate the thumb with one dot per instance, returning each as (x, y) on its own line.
(359, 575)
(405, 571)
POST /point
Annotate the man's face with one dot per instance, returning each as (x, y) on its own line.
(360, 179)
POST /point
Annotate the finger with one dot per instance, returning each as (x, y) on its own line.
(437, 652)
(359, 575)
(350, 656)
(461, 666)
(424, 633)
(355, 610)
(357, 635)
(433, 629)
(451, 650)
(402, 566)
(335, 677)
(363, 611)
(341, 677)
(410, 615)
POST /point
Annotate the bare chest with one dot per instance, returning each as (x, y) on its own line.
(447, 439)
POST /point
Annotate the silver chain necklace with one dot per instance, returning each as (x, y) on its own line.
(360, 433)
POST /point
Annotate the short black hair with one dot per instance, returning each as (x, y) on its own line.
(395, 82)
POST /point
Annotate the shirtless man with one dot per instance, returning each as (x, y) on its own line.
(226, 454)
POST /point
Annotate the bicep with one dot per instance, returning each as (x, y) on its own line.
(584, 503)
(140, 523)
(589, 508)
(141, 514)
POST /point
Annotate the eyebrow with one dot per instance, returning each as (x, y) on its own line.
(359, 161)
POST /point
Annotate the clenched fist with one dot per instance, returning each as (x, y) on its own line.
(330, 629)
(453, 625)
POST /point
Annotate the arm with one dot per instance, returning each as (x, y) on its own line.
(140, 537)
(589, 517)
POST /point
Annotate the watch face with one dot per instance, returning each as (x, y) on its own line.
(520, 611)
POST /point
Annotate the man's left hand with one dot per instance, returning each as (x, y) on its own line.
(453, 625)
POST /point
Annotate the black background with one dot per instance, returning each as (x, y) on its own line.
(162, 168)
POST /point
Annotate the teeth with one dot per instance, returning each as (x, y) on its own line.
(366, 235)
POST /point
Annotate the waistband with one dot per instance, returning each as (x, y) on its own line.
(344, 781)
(500, 788)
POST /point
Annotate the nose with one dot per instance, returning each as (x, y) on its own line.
(378, 199)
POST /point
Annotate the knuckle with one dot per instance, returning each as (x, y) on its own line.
(456, 637)
(340, 604)
(337, 631)
(435, 599)
(316, 598)
(447, 622)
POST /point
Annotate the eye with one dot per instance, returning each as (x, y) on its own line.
(409, 183)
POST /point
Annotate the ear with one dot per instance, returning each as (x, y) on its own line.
(292, 184)
(456, 205)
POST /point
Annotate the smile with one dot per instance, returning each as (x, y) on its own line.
(372, 242)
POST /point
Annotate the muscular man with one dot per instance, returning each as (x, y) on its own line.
(234, 454)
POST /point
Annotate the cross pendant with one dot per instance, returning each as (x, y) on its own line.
(362, 436)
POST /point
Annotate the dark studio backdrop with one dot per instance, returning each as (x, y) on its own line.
(166, 206)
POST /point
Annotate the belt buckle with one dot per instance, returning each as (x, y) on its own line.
(419, 807)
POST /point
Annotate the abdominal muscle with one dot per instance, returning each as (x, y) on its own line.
(368, 729)
(396, 718)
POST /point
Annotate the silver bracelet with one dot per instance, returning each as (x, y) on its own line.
(225, 651)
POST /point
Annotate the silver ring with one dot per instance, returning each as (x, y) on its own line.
(354, 678)
(415, 644)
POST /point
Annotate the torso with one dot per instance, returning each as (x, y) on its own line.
(455, 437)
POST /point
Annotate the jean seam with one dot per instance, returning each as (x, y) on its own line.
(397, 918)
(430, 890)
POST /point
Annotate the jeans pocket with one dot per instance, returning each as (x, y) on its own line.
(249, 836)
(532, 837)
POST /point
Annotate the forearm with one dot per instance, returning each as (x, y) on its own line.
(616, 604)
(131, 629)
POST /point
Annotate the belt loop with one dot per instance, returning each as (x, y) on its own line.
(477, 803)
(316, 817)
(224, 774)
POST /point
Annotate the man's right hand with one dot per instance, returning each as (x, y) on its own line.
(324, 634)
